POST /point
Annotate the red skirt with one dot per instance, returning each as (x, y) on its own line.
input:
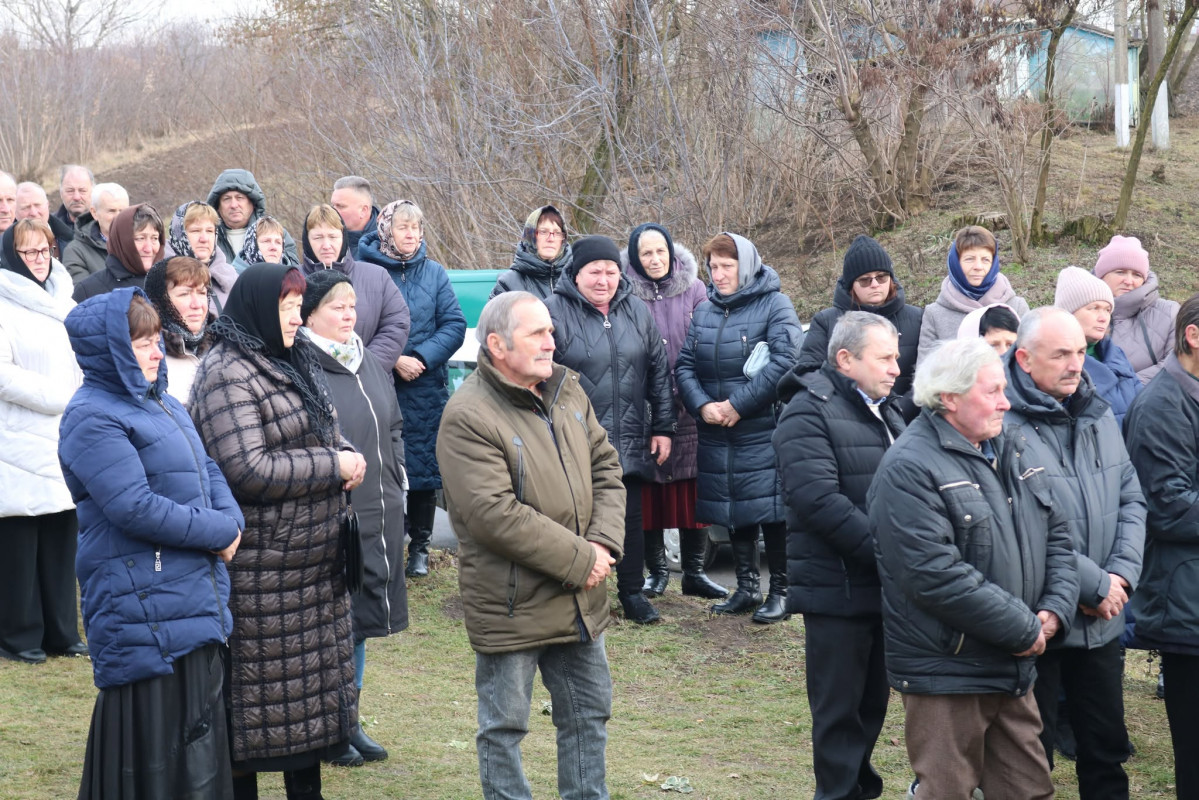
(669, 505)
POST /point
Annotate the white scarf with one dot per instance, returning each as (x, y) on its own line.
(349, 355)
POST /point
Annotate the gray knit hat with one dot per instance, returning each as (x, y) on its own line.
(1077, 288)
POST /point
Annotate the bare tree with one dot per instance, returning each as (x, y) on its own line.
(64, 27)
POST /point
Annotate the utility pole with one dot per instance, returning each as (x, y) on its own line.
(1160, 121)
(1120, 55)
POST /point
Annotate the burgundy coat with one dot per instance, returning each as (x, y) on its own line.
(671, 301)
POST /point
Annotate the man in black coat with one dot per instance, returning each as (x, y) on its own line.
(837, 426)
(978, 573)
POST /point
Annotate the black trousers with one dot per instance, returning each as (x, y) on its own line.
(1182, 710)
(1093, 681)
(630, 572)
(38, 607)
(848, 694)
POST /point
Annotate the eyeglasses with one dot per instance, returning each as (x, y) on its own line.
(35, 255)
(550, 233)
(866, 281)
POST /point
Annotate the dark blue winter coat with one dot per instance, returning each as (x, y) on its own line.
(738, 484)
(438, 330)
(152, 507)
(1114, 378)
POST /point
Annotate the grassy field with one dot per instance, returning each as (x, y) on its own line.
(717, 701)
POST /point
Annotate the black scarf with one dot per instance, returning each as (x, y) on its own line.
(251, 323)
(11, 260)
(156, 289)
(635, 257)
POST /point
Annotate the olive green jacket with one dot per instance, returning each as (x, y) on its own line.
(525, 506)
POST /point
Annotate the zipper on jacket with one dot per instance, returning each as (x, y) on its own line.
(520, 466)
(158, 559)
(728, 445)
(216, 591)
(512, 590)
(616, 410)
(382, 503)
(956, 484)
(961, 641)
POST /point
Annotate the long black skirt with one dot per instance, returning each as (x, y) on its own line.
(162, 737)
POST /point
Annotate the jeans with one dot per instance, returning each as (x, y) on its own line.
(580, 688)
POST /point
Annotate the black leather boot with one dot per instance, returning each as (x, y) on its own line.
(637, 608)
(422, 506)
(303, 784)
(692, 544)
(748, 595)
(368, 748)
(775, 607)
(655, 565)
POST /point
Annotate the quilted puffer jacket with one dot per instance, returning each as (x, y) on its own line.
(622, 367)
(291, 687)
(438, 330)
(152, 507)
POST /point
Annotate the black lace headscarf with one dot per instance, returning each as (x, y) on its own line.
(251, 323)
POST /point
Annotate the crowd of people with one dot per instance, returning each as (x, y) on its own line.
(225, 439)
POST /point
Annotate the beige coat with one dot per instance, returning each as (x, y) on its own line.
(526, 505)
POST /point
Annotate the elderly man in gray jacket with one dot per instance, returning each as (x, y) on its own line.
(978, 574)
(1070, 429)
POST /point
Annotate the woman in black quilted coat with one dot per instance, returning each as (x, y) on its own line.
(609, 337)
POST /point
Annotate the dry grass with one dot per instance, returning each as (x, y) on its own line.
(718, 701)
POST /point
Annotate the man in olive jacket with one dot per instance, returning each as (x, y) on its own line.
(978, 574)
(534, 493)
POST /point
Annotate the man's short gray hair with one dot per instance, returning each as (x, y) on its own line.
(355, 182)
(850, 333)
(498, 317)
(950, 369)
(1030, 325)
(30, 186)
(7, 178)
(114, 189)
(67, 169)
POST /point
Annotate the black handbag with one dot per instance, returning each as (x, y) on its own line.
(351, 548)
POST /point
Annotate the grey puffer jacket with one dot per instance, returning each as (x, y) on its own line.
(1095, 485)
(242, 180)
(622, 367)
(370, 419)
(671, 301)
(738, 483)
(1162, 430)
(943, 317)
(291, 684)
(963, 570)
(87, 252)
(1143, 327)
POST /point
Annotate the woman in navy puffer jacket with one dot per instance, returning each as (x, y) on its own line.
(156, 523)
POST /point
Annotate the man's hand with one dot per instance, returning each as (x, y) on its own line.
(1050, 624)
(227, 554)
(602, 567)
(1038, 646)
(409, 368)
(660, 446)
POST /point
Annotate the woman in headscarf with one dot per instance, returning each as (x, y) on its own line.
(262, 407)
(178, 288)
(974, 281)
(541, 256)
(264, 244)
(382, 315)
(134, 245)
(665, 276)
(193, 233)
(38, 375)
(422, 385)
(364, 395)
(158, 524)
(608, 336)
(741, 342)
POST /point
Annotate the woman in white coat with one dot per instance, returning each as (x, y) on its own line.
(38, 375)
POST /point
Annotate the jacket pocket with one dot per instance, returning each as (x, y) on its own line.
(972, 521)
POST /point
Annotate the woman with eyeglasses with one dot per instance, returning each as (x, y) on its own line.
(541, 256)
(867, 283)
(974, 281)
(38, 376)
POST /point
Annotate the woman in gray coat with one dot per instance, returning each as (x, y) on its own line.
(370, 419)
(1142, 320)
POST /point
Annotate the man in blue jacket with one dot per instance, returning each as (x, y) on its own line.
(977, 570)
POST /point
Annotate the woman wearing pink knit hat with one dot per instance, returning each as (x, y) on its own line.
(1143, 321)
